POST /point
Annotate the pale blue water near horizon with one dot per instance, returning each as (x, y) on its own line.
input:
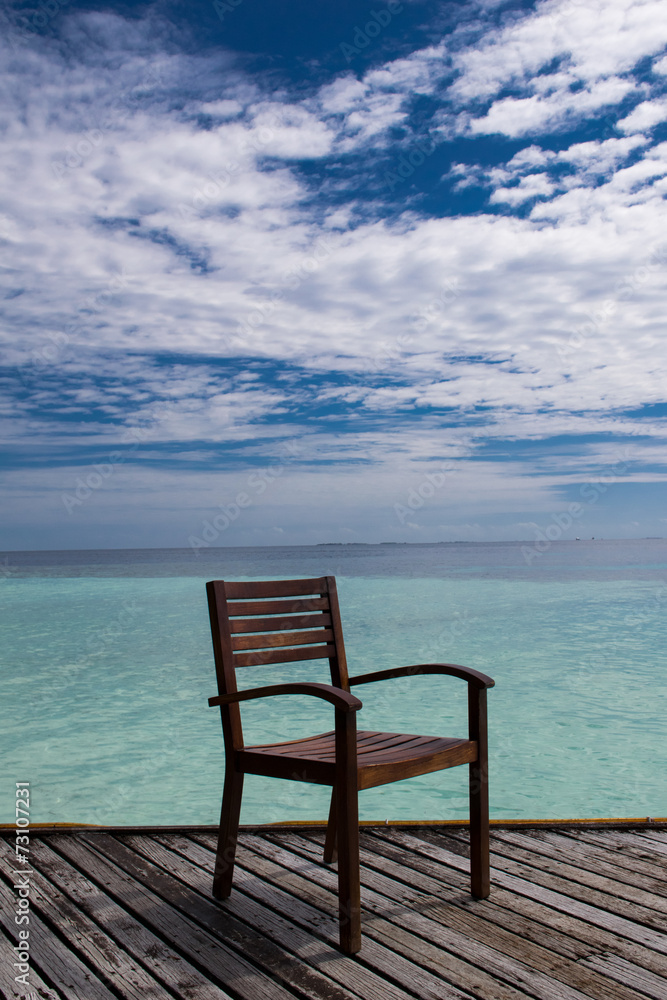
(107, 665)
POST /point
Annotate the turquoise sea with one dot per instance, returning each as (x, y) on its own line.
(107, 666)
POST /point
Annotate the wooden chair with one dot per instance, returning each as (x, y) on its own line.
(289, 620)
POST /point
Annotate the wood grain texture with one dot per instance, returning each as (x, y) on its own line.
(130, 915)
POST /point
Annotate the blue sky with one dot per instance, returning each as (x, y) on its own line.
(294, 273)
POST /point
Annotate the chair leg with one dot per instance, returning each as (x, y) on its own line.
(228, 834)
(330, 847)
(480, 883)
(347, 816)
(349, 890)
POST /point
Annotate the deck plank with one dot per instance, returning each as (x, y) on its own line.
(601, 889)
(530, 882)
(52, 957)
(476, 940)
(193, 864)
(313, 909)
(592, 854)
(132, 883)
(242, 924)
(163, 965)
(567, 934)
(85, 937)
(10, 989)
(575, 913)
(444, 951)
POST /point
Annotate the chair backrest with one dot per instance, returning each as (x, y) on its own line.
(275, 621)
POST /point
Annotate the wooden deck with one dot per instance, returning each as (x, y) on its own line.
(574, 912)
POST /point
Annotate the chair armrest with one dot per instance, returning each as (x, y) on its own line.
(340, 699)
(473, 677)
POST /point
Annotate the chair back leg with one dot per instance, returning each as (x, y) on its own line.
(228, 834)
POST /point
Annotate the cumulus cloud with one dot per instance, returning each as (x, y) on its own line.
(645, 116)
(174, 268)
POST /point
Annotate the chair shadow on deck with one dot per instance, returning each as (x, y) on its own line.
(283, 621)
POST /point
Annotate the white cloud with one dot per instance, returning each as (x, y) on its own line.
(582, 53)
(597, 41)
(531, 156)
(521, 116)
(154, 237)
(645, 116)
(600, 157)
(529, 186)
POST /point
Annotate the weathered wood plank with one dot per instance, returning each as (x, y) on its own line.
(438, 947)
(50, 957)
(567, 934)
(559, 900)
(658, 837)
(10, 989)
(264, 948)
(84, 937)
(126, 916)
(162, 962)
(313, 909)
(396, 881)
(654, 832)
(576, 884)
(630, 975)
(590, 853)
(193, 864)
(539, 855)
(128, 886)
(633, 843)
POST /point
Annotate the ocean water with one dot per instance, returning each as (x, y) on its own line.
(106, 667)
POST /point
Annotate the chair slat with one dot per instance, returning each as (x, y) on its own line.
(276, 588)
(293, 607)
(281, 639)
(260, 657)
(239, 625)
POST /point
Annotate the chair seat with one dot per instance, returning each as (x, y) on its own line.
(381, 757)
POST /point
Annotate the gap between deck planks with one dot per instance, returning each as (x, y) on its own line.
(575, 913)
